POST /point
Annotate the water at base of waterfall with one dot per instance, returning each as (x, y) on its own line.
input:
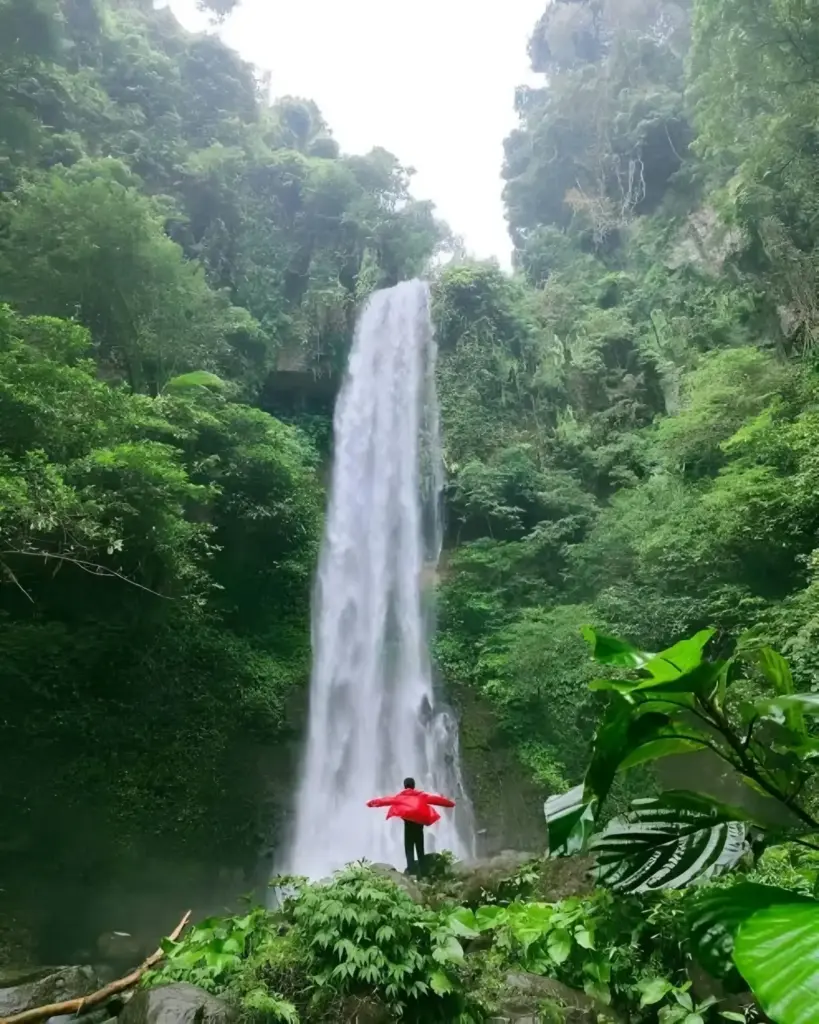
(373, 712)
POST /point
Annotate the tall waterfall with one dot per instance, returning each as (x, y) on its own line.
(373, 714)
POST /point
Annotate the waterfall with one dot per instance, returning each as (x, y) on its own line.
(373, 713)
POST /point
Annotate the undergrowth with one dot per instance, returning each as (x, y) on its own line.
(359, 942)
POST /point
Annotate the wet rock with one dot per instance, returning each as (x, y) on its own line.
(704, 242)
(490, 874)
(405, 882)
(24, 989)
(365, 1010)
(99, 1015)
(437, 866)
(531, 999)
(704, 986)
(565, 876)
(176, 1004)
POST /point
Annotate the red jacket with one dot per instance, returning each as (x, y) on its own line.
(412, 805)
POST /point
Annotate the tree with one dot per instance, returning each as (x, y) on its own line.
(86, 244)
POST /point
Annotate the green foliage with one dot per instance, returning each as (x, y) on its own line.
(629, 420)
(265, 208)
(604, 945)
(777, 951)
(682, 838)
(668, 842)
(167, 240)
(150, 310)
(363, 930)
(125, 520)
(211, 954)
(355, 938)
(727, 389)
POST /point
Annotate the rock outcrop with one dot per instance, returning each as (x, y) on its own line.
(405, 882)
(176, 1004)
(26, 988)
(531, 999)
(490, 874)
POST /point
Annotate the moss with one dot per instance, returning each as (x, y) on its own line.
(550, 1012)
(505, 799)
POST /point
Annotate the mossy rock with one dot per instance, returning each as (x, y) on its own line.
(531, 998)
(513, 873)
(561, 877)
(490, 875)
(405, 882)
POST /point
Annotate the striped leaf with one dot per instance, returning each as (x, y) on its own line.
(569, 820)
(668, 842)
(777, 951)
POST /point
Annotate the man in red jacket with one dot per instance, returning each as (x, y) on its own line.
(416, 810)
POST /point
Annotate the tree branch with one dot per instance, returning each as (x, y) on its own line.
(13, 579)
(94, 568)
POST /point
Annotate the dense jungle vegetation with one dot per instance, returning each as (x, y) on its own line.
(167, 240)
(631, 426)
(630, 418)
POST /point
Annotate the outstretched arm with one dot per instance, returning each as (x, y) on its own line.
(440, 801)
(381, 801)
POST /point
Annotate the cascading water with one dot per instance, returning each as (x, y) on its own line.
(373, 717)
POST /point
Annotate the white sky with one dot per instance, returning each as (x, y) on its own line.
(431, 80)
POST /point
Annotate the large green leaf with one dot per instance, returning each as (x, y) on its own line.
(679, 659)
(668, 842)
(778, 673)
(716, 915)
(617, 735)
(569, 820)
(777, 951)
(440, 983)
(673, 739)
(632, 734)
(463, 923)
(700, 680)
(774, 668)
(608, 650)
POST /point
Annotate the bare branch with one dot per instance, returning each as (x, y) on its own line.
(93, 568)
(13, 579)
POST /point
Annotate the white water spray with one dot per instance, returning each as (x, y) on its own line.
(373, 715)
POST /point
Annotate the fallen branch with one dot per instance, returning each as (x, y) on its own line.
(86, 1002)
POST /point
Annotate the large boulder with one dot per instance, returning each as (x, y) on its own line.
(561, 877)
(531, 999)
(489, 874)
(25, 989)
(176, 1004)
(405, 882)
(365, 1010)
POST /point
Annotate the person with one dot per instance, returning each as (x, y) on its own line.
(417, 811)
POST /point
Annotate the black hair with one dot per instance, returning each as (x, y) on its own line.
(409, 782)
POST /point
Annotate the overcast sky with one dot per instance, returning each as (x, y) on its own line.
(431, 80)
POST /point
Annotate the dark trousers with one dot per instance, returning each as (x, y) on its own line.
(414, 847)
